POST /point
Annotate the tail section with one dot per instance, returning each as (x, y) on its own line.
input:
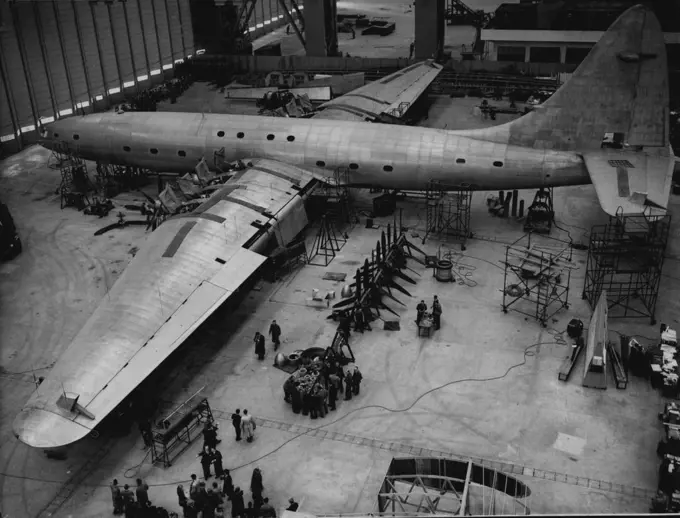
(620, 89)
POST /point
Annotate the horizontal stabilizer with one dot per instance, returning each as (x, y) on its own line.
(630, 183)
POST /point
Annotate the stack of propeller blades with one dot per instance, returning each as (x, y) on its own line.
(377, 278)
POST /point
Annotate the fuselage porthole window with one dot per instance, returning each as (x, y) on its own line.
(460, 160)
(181, 153)
(56, 135)
(388, 168)
(153, 151)
(220, 133)
(354, 166)
(240, 134)
(498, 164)
(291, 138)
(76, 136)
(270, 137)
(127, 149)
(320, 163)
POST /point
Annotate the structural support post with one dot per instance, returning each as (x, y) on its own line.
(24, 65)
(115, 48)
(88, 83)
(99, 53)
(291, 20)
(43, 52)
(167, 18)
(466, 487)
(10, 98)
(67, 68)
(132, 53)
(141, 25)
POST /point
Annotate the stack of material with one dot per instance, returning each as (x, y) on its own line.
(286, 104)
(664, 362)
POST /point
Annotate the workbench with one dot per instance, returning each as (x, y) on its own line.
(426, 326)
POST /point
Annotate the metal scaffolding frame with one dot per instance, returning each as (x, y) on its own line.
(625, 259)
(326, 244)
(537, 276)
(339, 203)
(75, 183)
(448, 211)
(418, 486)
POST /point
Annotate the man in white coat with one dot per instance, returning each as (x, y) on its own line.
(248, 426)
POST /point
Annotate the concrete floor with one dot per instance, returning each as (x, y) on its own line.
(525, 417)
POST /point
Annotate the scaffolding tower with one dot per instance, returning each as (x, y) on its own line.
(537, 276)
(326, 244)
(75, 183)
(448, 211)
(339, 204)
(625, 259)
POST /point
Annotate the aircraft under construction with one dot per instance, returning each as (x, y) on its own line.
(195, 261)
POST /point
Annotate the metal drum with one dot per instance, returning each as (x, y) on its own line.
(443, 271)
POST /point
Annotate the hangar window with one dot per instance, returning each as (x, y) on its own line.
(153, 151)
(56, 135)
(220, 133)
(291, 138)
(270, 137)
(460, 160)
(321, 163)
(127, 149)
(240, 134)
(354, 166)
(181, 153)
(387, 168)
(544, 55)
(76, 137)
(575, 55)
(498, 164)
(509, 53)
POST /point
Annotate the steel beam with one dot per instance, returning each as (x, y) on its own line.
(43, 53)
(141, 25)
(466, 487)
(69, 80)
(158, 39)
(181, 27)
(167, 17)
(115, 49)
(10, 99)
(88, 84)
(291, 20)
(24, 65)
(99, 52)
(132, 53)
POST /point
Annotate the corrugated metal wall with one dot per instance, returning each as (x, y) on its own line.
(59, 56)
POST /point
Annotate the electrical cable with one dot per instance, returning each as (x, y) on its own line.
(528, 352)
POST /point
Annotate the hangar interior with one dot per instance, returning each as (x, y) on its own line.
(548, 384)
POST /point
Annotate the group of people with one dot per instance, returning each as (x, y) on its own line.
(323, 397)
(274, 332)
(212, 501)
(421, 312)
(244, 425)
(134, 504)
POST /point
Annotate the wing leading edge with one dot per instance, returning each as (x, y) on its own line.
(631, 183)
(384, 96)
(186, 269)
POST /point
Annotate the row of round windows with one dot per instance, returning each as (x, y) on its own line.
(270, 136)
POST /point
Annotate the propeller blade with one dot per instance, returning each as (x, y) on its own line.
(388, 294)
(344, 303)
(378, 254)
(383, 306)
(413, 247)
(383, 240)
(389, 236)
(403, 276)
(396, 286)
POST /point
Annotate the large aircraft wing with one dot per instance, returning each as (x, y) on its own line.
(184, 271)
(631, 183)
(386, 95)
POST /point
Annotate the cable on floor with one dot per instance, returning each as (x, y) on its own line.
(527, 353)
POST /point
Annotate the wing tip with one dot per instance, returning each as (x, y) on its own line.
(41, 428)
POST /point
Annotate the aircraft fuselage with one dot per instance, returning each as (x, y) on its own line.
(389, 156)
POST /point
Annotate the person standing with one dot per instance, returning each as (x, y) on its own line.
(333, 390)
(116, 497)
(323, 402)
(206, 460)
(182, 498)
(127, 496)
(217, 462)
(293, 505)
(275, 332)
(344, 326)
(436, 313)
(193, 486)
(356, 380)
(142, 493)
(256, 485)
(227, 485)
(147, 434)
(421, 308)
(236, 423)
(348, 386)
(237, 504)
(259, 346)
(248, 426)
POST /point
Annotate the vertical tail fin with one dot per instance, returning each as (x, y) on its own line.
(621, 87)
